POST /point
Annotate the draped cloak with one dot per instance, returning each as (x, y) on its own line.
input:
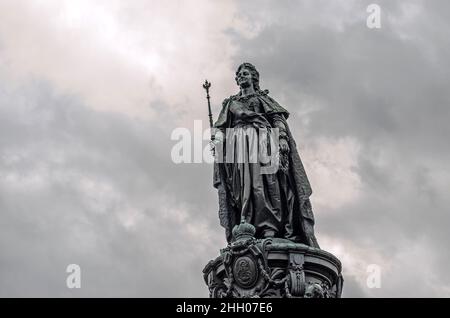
(301, 187)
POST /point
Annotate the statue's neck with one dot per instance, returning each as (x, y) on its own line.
(245, 91)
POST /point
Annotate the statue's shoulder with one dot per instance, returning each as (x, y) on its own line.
(271, 105)
(227, 100)
(265, 94)
(223, 115)
(266, 97)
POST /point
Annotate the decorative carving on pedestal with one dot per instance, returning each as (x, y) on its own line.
(250, 268)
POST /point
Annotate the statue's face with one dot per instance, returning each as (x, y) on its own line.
(244, 78)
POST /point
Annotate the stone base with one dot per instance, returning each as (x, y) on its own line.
(273, 267)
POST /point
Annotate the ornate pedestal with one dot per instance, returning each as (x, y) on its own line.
(272, 267)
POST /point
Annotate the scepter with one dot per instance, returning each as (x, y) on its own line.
(206, 86)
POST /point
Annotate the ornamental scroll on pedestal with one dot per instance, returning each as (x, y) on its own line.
(264, 203)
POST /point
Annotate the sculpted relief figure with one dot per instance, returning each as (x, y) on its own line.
(275, 201)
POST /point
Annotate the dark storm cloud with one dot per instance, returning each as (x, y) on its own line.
(72, 178)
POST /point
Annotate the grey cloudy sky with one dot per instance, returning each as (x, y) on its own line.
(90, 92)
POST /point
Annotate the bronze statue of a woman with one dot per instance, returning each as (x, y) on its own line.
(277, 204)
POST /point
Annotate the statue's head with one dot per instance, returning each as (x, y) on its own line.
(247, 70)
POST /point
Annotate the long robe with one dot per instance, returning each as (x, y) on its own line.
(276, 204)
